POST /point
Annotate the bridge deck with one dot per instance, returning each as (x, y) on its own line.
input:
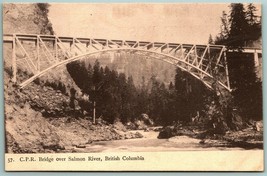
(33, 37)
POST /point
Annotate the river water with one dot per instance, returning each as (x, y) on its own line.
(150, 143)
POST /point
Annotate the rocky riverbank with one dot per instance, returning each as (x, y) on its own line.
(249, 137)
(40, 120)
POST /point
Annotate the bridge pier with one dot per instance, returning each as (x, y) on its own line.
(258, 64)
(256, 59)
(56, 49)
(14, 61)
(38, 53)
(226, 67)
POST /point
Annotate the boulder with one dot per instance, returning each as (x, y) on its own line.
(131, 126)
(138, 135)
(166, 133)
(146, 119)
(170, 131)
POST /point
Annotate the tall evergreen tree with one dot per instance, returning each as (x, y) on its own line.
(254, 26)
(222, 37)
(239, 25)
(250, 14)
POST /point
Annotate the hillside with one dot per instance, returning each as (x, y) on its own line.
(40, 117)
(31, 19)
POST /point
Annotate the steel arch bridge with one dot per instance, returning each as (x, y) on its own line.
(42, 53)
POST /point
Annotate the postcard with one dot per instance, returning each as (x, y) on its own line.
(133, 86)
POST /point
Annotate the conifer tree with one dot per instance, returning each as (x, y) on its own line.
(222, 37)
(239, 26)
(254, 26)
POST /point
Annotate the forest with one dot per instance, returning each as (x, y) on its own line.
(117, 98)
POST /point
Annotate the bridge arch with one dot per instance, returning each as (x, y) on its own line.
(206, 63)
(166, 58)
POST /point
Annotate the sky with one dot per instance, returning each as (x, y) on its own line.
(178, 23)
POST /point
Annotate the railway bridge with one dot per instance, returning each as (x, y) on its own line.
(39, 54)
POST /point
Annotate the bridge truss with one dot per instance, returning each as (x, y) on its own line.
(39, 54)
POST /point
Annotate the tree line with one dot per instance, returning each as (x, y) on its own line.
(117, 98)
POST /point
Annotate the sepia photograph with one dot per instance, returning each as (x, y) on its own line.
(130, 86)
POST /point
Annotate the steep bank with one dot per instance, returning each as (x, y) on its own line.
(37, 120)
(40, 117)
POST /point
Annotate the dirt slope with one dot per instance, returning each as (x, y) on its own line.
(39, 118)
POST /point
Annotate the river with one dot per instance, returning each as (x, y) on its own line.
(150, 143)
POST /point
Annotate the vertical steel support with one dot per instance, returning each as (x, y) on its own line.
(256, 59)
(182, 52)
(107, 43)
(87, 44)
(14, 62)
(38, 53)
(56, 49)
(226, 68)
(72, 46)
(209, 62)
(196, 59)
(90, 45)
(201, 62)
